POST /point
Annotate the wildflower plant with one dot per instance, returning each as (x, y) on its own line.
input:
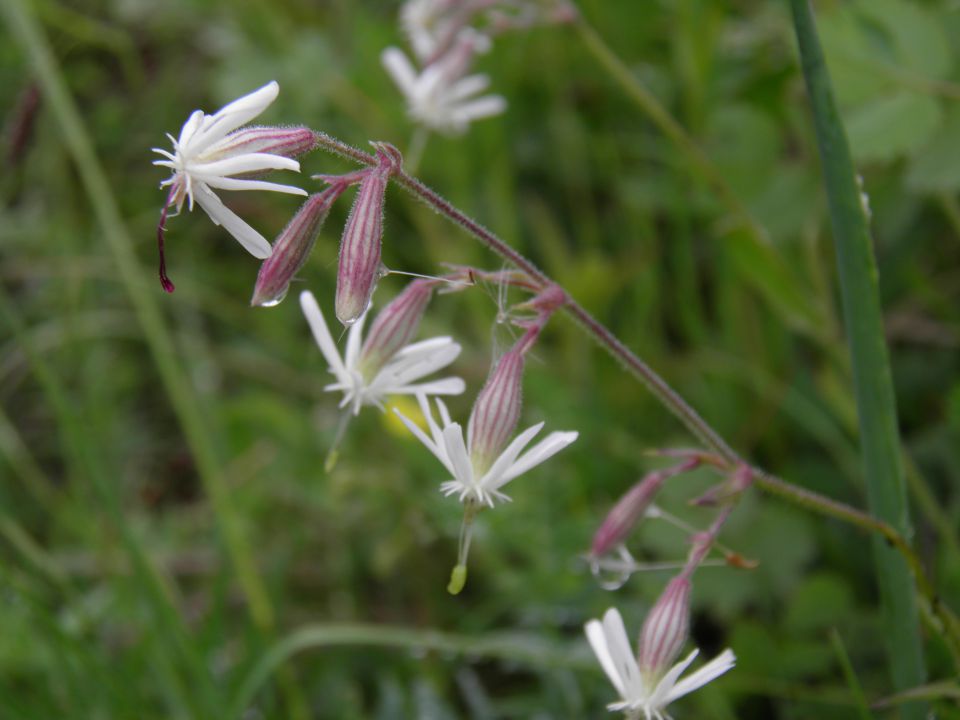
(213, 152)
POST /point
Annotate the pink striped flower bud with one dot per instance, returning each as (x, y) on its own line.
(665, 630)
(495, 411)
(395, 326)
(293, 247)
(359, 267)
(626, 514)
(286, 141)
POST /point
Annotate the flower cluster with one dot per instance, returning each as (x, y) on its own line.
(215, 152)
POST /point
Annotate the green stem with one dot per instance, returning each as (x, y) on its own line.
(876, 405)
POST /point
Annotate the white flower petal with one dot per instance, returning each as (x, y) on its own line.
(226, 183)
(444, 386)
(457, 452)
(709, 672)
(437, 451)
(321, 333)
(400, 69)
(598, 641)
(355, 340)
(444, 413)
(233, 115)
(403, 371)
(546, 448)
(494, 477)
(465, 87)
(190, 127)
(622, 656)
(252, 241)
(480, 108)
(244, 163)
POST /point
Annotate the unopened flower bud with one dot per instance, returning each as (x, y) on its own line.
(286, 141)
(666, 629)
(292, 248)
(496, 411)
(395, 326)
(359, 267)
(626, 514)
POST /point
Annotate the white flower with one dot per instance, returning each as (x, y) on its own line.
(425, 25)
(395, 376)
(441, 97)
(643, 695)
(209, 153)
(448, 445)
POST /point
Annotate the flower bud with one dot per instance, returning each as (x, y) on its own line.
(395, 326)
(625, 514)
(495, 411)
(359, 267)
(666, 629)
(292, 248)
(285, 141)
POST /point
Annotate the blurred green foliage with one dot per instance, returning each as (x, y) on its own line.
(574, 176)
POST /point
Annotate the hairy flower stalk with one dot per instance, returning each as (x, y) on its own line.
(359, 268)
(293, 247)
(211, 153)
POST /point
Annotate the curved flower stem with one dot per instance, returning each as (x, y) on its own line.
(944, 618)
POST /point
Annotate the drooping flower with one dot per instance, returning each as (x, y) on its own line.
(293, 247)
(365, 377)
(442, 96)
(475, 483)
(646, 689)
(211, 153)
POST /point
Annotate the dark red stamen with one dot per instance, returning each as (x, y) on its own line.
(164, 280)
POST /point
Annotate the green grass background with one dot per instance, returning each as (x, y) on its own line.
(119, 594)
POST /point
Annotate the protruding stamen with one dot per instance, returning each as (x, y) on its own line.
(161, 228)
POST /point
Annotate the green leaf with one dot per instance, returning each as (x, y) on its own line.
(893, 125)
(917, 39)
(937, 166)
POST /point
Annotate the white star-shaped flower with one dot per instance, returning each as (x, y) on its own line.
(643, 695)
(209, 154)
(477, 484)
(440, 97)
(365, 384)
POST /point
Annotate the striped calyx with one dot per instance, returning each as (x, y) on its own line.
(495, 412)
(665, 630)
(395, 326)
(359, 268)
(626, 514)
(286, 141)
(292, 248)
